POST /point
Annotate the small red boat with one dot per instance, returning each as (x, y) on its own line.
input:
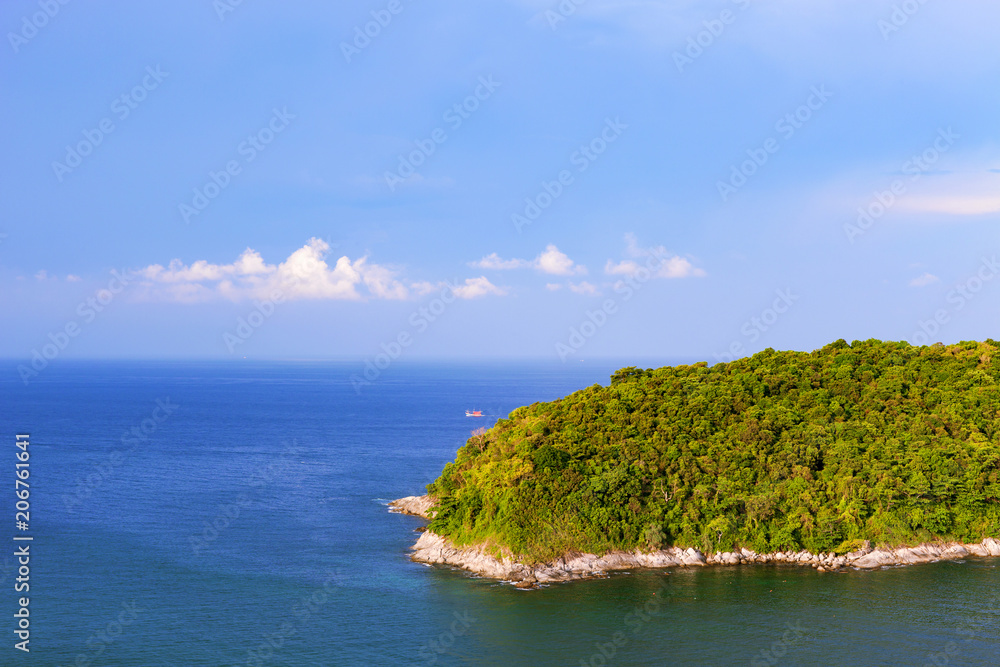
(473, 413)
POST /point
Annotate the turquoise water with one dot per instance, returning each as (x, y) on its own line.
(304, 565)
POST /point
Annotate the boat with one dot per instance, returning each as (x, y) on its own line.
(473, 413)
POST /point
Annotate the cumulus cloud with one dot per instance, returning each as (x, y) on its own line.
(656, 259)
(495, 262)
(381, 282)
(305, 274)
(556, 263)
(424, 287)
(477, 287)
(472, 288)
(73, 278)
(551, 261)
(250, 263)
(583, 287)
(671, 267)
(924, 280)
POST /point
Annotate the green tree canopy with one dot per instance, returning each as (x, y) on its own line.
(783, 450)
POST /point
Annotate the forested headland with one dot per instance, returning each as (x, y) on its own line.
(872, 440)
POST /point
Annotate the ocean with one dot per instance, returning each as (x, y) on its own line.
(234, 513)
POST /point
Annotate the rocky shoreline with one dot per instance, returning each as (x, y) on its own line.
(415, 505)
(435, 549)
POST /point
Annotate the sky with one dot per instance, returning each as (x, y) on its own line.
(508, 179)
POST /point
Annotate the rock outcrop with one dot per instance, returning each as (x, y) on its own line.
(435, 549)
(415, 505)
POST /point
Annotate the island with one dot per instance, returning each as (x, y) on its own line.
(862, 454)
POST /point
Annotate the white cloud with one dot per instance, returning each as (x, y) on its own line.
(924, 280)
(381, 282)
(179, 293)
(477, 287)
(73, 279)
(679, 267)
(553, 287)
(583, 287)
(657, 259)
(556, 263)
(42, 275)
(423, 288)
(249, 263)
(625, 267)
(967, 187)
(551, 261)
(472, 288)
(955, 189)
(304, 275)
(494, 261)
(955, 204)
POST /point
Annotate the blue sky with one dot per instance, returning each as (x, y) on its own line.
(502, 179)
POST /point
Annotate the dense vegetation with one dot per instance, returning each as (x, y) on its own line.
(783, 450)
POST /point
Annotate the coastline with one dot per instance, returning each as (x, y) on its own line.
(435, 549)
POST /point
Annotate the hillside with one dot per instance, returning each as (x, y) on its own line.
(781, 451)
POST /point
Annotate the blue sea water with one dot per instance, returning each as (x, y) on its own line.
(189, 514)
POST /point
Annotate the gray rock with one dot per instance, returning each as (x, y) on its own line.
(435, 549)
(415, 505)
